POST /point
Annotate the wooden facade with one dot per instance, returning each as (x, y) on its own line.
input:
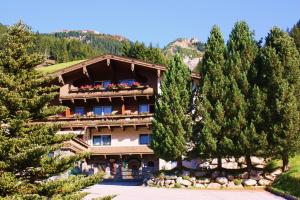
(110, 106)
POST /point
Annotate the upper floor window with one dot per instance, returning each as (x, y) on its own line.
(79, 110)
(102, 110)
(101, 140)
(145, 139)
(144, 108)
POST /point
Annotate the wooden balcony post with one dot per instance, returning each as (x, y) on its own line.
(68, 112)
(123, 109)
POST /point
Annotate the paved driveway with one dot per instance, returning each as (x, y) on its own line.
(130, 191)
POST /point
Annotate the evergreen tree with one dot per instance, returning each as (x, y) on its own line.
(244, 99)
(208, 133)
(26, 158)
(295, 33)
(172, 127)
(280, 63)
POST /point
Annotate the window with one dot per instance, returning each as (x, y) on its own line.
(97, 110)
(101, 140)
(79, 110)
(107, 110)
(102, 110)
(145, 139)
(144, 108)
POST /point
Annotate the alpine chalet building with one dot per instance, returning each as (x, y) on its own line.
(110, 105)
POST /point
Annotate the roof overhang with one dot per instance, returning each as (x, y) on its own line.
(116, 58)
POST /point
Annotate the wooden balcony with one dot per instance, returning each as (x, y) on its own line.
(72, 93)
(108, 121)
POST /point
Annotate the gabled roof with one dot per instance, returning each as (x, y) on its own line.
(117, 58)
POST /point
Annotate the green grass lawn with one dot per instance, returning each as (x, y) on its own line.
(288, 182)
(57, 67)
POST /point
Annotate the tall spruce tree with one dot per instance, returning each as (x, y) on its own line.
(26, 148)
(209, 115)
(280, 63)
(245, 101)
(172, 124)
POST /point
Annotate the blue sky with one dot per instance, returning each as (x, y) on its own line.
(156, 21)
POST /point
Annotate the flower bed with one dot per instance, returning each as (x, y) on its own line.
(111, 86)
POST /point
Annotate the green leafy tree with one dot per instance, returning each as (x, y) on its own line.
(208, 133)
(27, 160)
(172, 127)
(280, 63)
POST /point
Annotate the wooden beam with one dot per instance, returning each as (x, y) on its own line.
(108, 62)
(109, 99)
(132, 66)
(72, 100)
(122, 98)
(61, 80)
(85, 71)
(97, 98)
(158, 73)
(122, 127)
(148, 97)
(60, 101)
(134, 97)
(84, 100)
(109, 128)
(135, 127)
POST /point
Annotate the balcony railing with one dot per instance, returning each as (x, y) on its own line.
(103, 121)
(72, 92)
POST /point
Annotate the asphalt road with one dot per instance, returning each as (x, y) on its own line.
(130, 191)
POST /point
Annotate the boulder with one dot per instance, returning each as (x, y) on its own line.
(203, 181)
(204, 165)
(276, 172)
(169, 182)
(171, 177)
(214, 186)
(230, 177)
(186, 183)
(230, 165)
(179, 179)
(249, 182)
(215, 161)
(257, 161)
(264, 182)
(222, 180)
(161, 183)
(213, 166)
(200, 173)
(199, 185)
(243, 175)
(241, 160)
(270, 177)
(192, 179)
(256, 172)
(231, 184)
(260, 166)
(150, 182)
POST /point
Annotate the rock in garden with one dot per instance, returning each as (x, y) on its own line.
(249, 182)
(179, 179)
(230, 177)
(199, 185)
(186, 183)
(161, 183)
(214, 186)
(171, 177)
(231, 184)
(204, 165)
(203, 181)
(241, 160)
(230, 165)
(222, 180)
(169, 182)
(150, 182)
(270, 177)
(264, 182)
(257, 161)
(243, 175)
(276, 172)
(260, 166)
